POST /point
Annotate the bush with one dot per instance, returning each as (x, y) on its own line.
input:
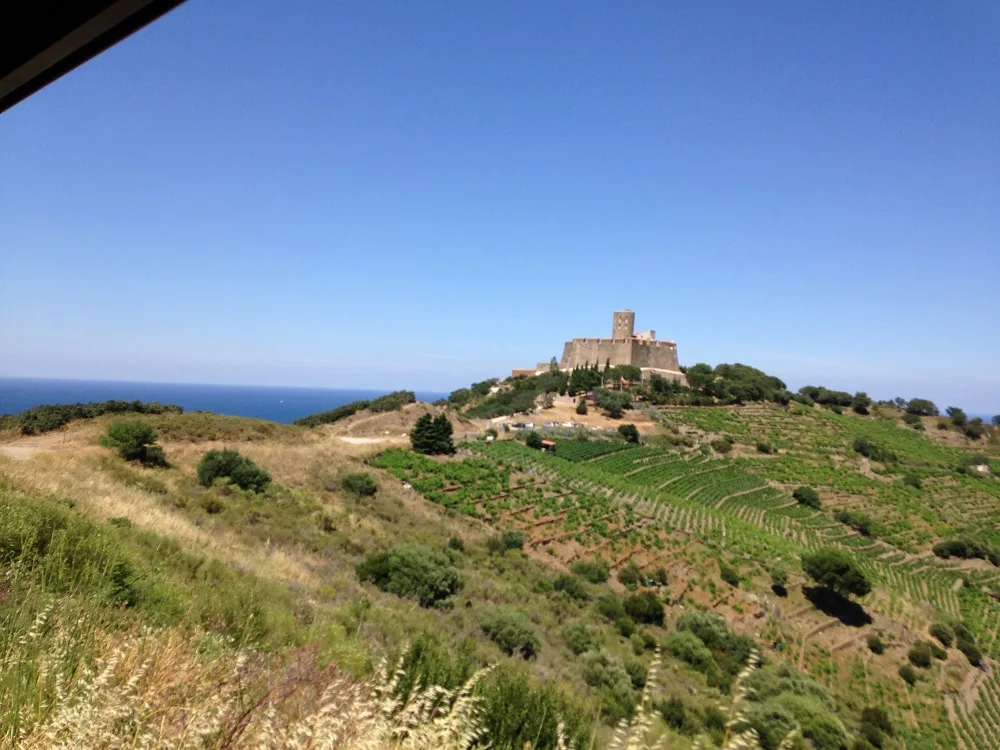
(511, 630)
(630, 576)
(721, 446)
(836, 570)
(912, 480)
(610, 606)
(860, 522)
(807, 496)
(689, 648)
(133, 440)
(920, 654)
(359, 483)
(779, 580)
(971, 651)
(629, 432)
(625, 626)
(729, 575)
(870, 449)
(937, 652)
(456, 544)
(644, 607)
(571, 586)
(766, 448)
(875, 644)
(943, 633)
(411, 570)
(533, 440)
(243, 472)
(594, 571)
(909, 674)
(432, 435)
(975, 429)
(46, 418)
(578, 638)
(581, 406)
(508, 540)
(613, 681)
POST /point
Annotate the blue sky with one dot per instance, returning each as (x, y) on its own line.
(423, 194)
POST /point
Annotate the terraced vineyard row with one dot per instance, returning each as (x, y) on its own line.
(722, 504)
(979, 729)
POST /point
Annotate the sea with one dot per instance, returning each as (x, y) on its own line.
(274, 403)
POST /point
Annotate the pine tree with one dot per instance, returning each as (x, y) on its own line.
(423, 436)
(442, 434)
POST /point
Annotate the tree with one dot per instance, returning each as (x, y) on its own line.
(861, 404)
(581, 407)
(807, 496)
(432, 435)
(411, 570)
(533, 440)
(996, 420)
(836, 570)
(645, 607)
(699, 376)
(630, 432)
(922, 407)
(133, 440)
(957, 415)
(242, 471)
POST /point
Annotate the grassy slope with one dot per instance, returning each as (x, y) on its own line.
(291, 552)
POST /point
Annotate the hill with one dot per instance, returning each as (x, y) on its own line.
(570, 572)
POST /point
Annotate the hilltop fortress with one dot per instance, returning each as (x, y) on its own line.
(625, 347)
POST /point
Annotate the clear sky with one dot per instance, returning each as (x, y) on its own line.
(390, 194)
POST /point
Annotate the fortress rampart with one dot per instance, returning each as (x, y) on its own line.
(624, 348)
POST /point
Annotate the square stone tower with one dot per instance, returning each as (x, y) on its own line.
(624, 325)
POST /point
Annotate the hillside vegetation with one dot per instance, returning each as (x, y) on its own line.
(256, 582)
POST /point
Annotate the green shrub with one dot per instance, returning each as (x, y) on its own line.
(912, 480)
(779, 580)
(943, 632)
(937, 652)
(411, 570)
(359, 483)
(629, 432)
(644, 607)
(581, 406)
(807, 496)
(333, 415)
(610, 606)
(456, 544)
(612, 680)
(920, 654)
(46, 418)
(909, 674)
(686, 646)
(243, 472)
(721, 446)
(511, 630)
(971, 651)
(870, 449)
(133, 440)
(533, 440)
(630, 576)
(625, 626)
(578, 638)
(766, 448)
(860, 522)
(594, 571)
(571, 586)
(729, 574)
(875, 644)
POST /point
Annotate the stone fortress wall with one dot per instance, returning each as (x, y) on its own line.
(625, 347)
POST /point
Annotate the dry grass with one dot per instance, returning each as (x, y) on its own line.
(101, 497)
(150, 690)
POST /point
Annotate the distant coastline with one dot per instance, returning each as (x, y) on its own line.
(274, 403)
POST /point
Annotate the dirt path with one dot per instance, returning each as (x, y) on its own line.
(25, 448)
